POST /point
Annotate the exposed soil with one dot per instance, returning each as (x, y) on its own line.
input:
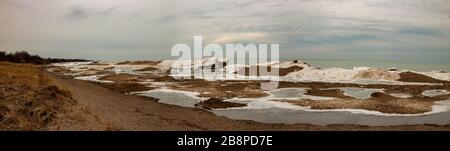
(216, 103)
(410, 89)
(138, 63)
(125, 87)
(148, 69)
(97, 64)
(221, 89)
(121, 78)
(415, 77)
(382, 96)
(399, 106)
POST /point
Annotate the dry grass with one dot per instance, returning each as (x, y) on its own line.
(28, 100)
(29, 74)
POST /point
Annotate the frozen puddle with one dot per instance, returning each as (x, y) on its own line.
(125, 70)
(289, 92)
(359, 93)
(265, 111)
(168, 96)
(434, 93)
(293, 93)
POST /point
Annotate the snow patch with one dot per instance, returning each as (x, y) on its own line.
(434, 93)
(94, 78)
(359, 93)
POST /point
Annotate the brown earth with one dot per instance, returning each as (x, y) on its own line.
(97, 64)
(120, 78)
(380, 96)
(221, 89)
(138, 63)
(125, 87)
(415, 77)
(392, 106)
(147, 69)
(216, 103)
(410, 89)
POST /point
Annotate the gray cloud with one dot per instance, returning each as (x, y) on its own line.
(81, 12)
(276, 28)
(302, 27)
(17, 5)
(231, 10)
(77, 12)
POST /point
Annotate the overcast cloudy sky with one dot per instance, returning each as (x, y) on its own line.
(142, 29)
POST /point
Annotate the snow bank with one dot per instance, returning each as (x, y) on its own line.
(329, 74)
(343, 75)
(437, 75)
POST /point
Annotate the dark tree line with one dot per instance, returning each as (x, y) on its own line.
(25, 57)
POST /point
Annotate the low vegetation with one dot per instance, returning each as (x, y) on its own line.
(25, 57)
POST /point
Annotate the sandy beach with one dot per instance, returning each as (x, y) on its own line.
(128, 112)
(116, 101)
(147, 95)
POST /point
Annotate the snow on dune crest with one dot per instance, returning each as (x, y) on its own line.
(437, 75)
(329, 74)
(343, 75)
(195, 63)
(308, 73)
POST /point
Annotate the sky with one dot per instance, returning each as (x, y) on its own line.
(409, 30)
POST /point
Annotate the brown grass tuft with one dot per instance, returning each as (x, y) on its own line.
(28, 100)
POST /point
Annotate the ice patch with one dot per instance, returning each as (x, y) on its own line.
(71, 64)
(174, 97)
(289, 92)
(121, 69)
(294, 94)
(94, 78)
(401, 95)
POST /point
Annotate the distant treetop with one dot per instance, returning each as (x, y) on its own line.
(25, 57)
